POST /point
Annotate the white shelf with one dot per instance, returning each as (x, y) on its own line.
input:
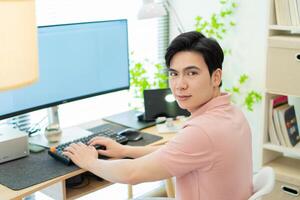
(294, 151)
(283, 44)
(291, 29)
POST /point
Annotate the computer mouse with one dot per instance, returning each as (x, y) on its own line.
(131, 134)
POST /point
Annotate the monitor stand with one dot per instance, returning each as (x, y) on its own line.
(53, 131)
(53, 115)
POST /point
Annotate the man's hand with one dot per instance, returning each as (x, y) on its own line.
(113, 149)
(82, 155)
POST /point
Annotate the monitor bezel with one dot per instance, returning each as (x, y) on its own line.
(13, 114)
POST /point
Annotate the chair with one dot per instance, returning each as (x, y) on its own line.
(263, 183)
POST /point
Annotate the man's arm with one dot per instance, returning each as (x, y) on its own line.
(136, 152)
(130, 171)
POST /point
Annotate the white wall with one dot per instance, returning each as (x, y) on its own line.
(248, 45)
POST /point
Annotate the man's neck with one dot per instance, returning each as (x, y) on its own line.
(216, 93)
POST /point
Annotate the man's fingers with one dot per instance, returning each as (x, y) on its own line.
(74, 146)
(69, 154)
(103, 152)
(98, 140)
(70, 148)
(81, 144)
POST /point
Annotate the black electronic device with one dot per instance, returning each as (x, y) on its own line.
(74, 181)
(161, 103)
(131, 134)
(104, 130)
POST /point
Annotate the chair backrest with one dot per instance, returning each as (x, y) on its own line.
(263, 183)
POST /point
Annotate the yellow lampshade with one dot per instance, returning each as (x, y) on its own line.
(18, 44)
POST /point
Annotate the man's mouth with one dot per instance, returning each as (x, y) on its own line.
(183, 97)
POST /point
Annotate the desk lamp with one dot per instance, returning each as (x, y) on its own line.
(18, 44)
(150, 9)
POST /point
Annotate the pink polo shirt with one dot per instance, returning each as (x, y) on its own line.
(211, 156)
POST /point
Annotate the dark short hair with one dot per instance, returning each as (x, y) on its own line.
(194, 41)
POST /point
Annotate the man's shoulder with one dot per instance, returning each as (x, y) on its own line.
(217, 118)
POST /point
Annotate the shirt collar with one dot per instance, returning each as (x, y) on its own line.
(223, 99)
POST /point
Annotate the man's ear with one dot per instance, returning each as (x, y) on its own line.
(217, 77)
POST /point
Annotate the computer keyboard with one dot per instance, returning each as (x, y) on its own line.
(104, 130)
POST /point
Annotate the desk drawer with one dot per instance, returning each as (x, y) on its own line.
(283, 68)
(284, 191)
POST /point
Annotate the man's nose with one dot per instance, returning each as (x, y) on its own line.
(181, 83)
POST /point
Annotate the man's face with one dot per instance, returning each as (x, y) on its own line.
(190, 80)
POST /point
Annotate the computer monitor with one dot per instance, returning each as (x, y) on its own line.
(76, 61)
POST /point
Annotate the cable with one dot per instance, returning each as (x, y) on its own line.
(36, 127)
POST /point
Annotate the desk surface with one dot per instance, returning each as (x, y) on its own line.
(6, 193)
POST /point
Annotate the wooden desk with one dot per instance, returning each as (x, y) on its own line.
(67, 193)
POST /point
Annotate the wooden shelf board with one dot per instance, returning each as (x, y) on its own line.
(294, 151)
(269, 91)
(292, 29)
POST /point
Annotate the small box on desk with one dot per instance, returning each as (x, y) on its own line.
(13, 144)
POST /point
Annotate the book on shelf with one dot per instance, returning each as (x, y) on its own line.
(271, 127)
(289, 126)
(295, 19)
(279, 126)
(298, 9)
(277, 123)
(282, 12)
(287, 12)
(274, 128)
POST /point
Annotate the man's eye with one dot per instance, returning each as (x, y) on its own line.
(192, 73)
(172, 73)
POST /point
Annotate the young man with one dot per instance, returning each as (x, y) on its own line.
(210, 157)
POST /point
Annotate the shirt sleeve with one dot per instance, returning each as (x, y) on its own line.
(191, 149)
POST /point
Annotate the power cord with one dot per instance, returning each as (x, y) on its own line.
(36, 127)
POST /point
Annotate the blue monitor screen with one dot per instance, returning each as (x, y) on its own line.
(75, 61)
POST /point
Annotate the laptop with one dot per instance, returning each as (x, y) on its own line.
(161, 103)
